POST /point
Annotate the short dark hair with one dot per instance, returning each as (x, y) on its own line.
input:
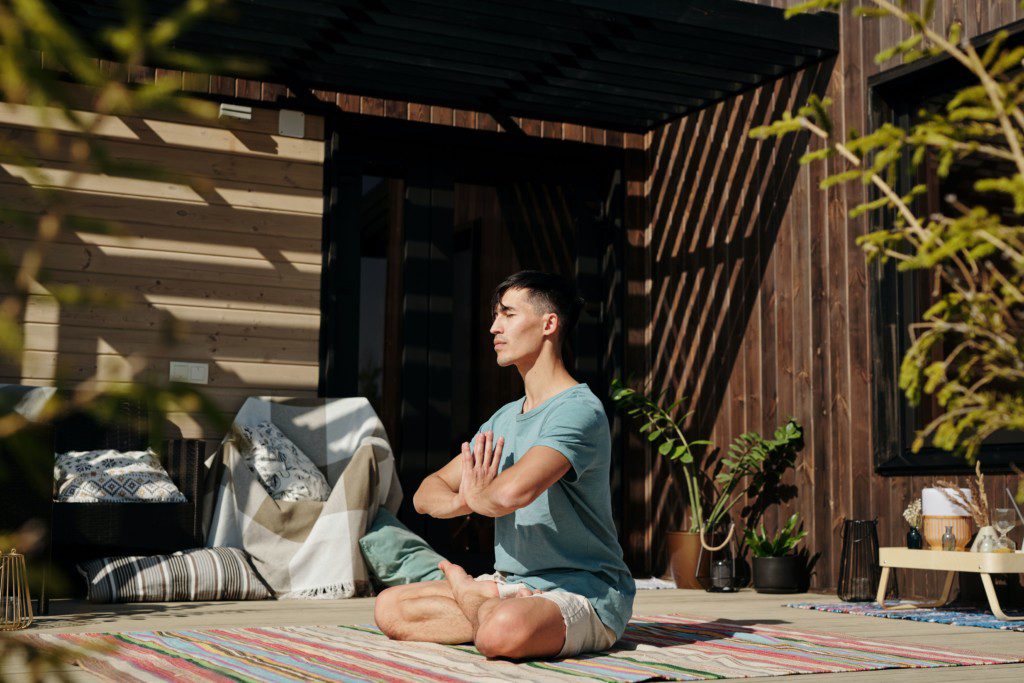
(551, 292)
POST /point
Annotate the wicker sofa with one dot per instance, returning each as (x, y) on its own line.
(81, 531)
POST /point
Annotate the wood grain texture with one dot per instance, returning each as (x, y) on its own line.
(759, 297)
(216, 262)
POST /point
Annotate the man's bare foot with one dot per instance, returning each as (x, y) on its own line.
(465, 585)
(468, 592)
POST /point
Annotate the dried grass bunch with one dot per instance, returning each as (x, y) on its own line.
(977, 505)
(913, 513)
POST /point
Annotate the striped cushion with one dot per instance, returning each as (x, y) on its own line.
(199, 574)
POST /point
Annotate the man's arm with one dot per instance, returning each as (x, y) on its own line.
(438, 494)
(496, 495)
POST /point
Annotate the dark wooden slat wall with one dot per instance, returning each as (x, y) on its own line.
(758, 298)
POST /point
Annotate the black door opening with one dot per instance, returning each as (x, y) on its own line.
(420, 227)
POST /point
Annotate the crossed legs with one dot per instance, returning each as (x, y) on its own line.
(462, 610)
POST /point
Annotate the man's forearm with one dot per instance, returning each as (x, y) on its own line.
(495, 500)
(435, 498)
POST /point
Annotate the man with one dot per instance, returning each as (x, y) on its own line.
(540, 467)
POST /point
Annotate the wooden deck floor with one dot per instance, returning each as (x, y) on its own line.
(745, 606)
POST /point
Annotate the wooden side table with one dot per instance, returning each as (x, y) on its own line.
(950, 562)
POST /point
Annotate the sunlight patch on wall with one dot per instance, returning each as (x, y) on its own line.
(241, 318)
(66, 179)
(51, 117)
(193, 258)
(277, 202)
(221, 140)
(168, 300)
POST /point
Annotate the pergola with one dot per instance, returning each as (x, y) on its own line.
(623, 65)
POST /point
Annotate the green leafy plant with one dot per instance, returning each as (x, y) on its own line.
(751, 466)
(967, 350)
(74, 87)
(663, 428)
(782, 544)
(759, 463)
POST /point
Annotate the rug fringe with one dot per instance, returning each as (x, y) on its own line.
(338, 591)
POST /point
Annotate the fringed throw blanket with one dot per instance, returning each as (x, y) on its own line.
(305, 549)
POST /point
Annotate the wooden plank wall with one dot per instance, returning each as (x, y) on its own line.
(225, 253)
(228, 258)
(758, 303)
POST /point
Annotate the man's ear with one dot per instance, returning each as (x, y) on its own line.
(550, 323)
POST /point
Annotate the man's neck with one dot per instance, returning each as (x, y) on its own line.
(544, 378)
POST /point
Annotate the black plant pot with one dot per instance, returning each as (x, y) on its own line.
(778, 574)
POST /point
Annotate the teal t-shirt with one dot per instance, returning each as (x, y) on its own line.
(566, 537)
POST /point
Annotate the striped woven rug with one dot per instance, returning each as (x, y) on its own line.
(672, 648)
(954, 616)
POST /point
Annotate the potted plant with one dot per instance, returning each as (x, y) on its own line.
(662, 428)
(777, 569)
(713, 487)
(752, 469)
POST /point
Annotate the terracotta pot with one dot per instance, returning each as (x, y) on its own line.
(683, 553)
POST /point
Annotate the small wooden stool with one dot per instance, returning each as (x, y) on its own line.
(950, 562)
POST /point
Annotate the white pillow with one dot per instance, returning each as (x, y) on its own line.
(109, 476)
(284, 470)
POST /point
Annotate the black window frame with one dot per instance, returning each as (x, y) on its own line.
(892, 95)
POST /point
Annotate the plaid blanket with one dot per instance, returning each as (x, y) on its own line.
(305, 549)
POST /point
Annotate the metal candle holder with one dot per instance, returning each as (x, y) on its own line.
(15, 601)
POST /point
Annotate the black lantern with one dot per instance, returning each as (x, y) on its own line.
(722, 571)
(859, 572)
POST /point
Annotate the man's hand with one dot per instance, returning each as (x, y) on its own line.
(456, 507)
(479, 467)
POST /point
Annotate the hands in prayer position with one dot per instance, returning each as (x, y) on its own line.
(479, 466)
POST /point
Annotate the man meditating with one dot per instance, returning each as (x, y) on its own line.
(540, 467)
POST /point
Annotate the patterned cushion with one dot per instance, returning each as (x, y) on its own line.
(199, 574)
(285, 471)
(109, 476)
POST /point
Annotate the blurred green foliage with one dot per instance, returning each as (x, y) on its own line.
(45, 65)
(967, 350)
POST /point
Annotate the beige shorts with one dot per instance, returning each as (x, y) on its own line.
(584, 630)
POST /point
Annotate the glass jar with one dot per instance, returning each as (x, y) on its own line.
(987, 542)
(722, 574)
(948, 539)
(1005, 544)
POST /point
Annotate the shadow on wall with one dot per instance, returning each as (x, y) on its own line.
(716, 200)
(222, 257)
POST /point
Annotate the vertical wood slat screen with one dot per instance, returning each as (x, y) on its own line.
(759, 298)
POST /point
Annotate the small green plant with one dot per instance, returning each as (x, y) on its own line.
(781, 545)
(764, 461)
